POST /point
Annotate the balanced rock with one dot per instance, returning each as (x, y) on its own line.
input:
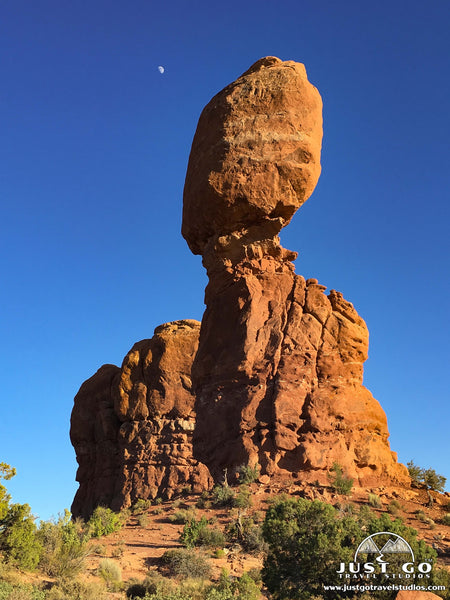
(279, 368)
(273, 377)
(255, 157)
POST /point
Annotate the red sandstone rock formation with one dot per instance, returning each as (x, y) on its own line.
(277, 372)
(416, 595)
(132, 427)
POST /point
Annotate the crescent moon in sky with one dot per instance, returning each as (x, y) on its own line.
(161, 69)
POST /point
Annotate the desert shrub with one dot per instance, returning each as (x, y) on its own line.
(212, 538)
(219, 553)
(306, 540)
(203, 501)
(227, 588)
(394, 507)
(9, 591)
(421, 516)
(340, 482)
(158, 500)
(70, 589)
(427, 477)
(433, 481)
(415, 472)
(255, 574)
(110, 572)
(364, 515)
(118, 550)
(153, 585)
(185, 563)
(375, 501)
(191, 531)
(198, 533)
(98, 549)
(182, 516)
(243, 498)
(143, 520)
(345, 508)
(64, 546)
(446, 519)
(248, 474)
(103, 522)
(18, 541)
(158, 510)
(222, 495)
(141, 505)
(247, 533)
(441, 577)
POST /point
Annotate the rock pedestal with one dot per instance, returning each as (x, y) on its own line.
(274, 375)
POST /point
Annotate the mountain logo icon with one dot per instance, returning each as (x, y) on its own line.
(384, 542)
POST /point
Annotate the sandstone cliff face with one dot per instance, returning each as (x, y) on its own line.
(132, 427)
(274, 375)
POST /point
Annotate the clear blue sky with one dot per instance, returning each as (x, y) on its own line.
(94, 148)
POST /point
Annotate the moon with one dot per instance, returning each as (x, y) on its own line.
(161, 69)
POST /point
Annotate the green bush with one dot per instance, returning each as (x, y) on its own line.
(70, 589)
(18, 542)
(64, 547)
(110, 572)
(198, 533)
(9, 591)
(153, 585)
(446, 519)
(103, 522)
(427, 477)
(222, 495)
(243, 498)
(191, 531)
(211, 538)
(341, 483)
(433, 481)
(247, 533)
(242, 588)
(203, 501)
(143, 520)
(375, 501)
(307, 540)
(140, 506)
(185, 563)
(394, 507)
(182, 516)
(248, 474)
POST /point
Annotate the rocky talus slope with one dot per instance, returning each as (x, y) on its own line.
(273, 376)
